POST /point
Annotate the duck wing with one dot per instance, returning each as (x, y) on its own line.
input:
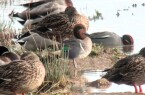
(125, 70)
(74, 47)
(74, 43)
(14, 73)
(55, 21)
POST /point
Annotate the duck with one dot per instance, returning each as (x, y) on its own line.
(111, 39)
(37, 10)
(129, 70)
(33, 42)
(78, 47)
(22, 76)
(60, 25)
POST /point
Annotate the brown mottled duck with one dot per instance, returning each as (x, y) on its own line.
(23, 76)
(60, 25)
(129, 70)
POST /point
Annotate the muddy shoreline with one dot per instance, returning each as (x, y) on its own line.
(101, 61)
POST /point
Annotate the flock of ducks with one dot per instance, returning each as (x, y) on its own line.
(60, 19)
(26, 73)
(67, 27)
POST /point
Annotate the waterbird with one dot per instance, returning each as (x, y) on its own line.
(129, 70)
(22, 76)
(80, 46)
(60, 25)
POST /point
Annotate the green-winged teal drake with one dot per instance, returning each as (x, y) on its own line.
(129, 70)
(111, 39)
(80, 46)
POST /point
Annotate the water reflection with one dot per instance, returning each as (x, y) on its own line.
(128, 49)
(92, 76)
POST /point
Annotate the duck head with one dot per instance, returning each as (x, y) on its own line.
(128, 43)
(11, 55)
(127, 40)
(79, 31)
(142, 51)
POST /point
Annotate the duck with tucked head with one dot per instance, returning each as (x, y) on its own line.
(111, 39)
(80, 46)
(23, 76)
(129, 70)
(60, 25)
(33, 41)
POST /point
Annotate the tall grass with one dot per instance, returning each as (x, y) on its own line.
(56, 65)
(57, 71)
(96, 50)
(6, 34)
